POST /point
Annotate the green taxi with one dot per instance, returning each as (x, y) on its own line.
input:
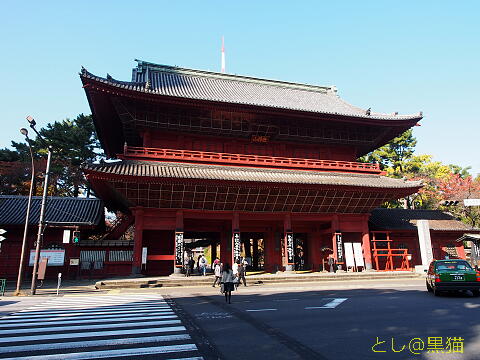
(452, 275)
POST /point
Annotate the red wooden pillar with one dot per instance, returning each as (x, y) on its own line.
(270, 251)
(178, 241)
(367, 252)
(314, 245)
(226, 246)
(137, 241)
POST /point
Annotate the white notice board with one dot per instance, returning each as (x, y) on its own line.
(349, 254)
(144, 255)
(66, 236)
(55, 257)
(357, 251)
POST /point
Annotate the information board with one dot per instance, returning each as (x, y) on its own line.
(66, 236)
(339, 242)
(237, 246)
(179, 249)
(55, 257)
(290, 249)
(358, 254)
(144, 255)
(350, 261)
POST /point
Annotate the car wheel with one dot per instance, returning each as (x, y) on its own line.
(476, 292)
(429, 288)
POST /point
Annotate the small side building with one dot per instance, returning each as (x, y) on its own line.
(395, 231)
(63, 216)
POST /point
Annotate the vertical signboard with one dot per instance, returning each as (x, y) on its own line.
(350, 259)
(339, 241)
(290, 250)
(426, 252)
(144, 255)
(357, 252)
(66, 236)
(237, 246)
(179, 249)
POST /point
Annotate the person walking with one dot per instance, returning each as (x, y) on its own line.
(203, 265)
(191, 265)
(242, 270)
(218, 273)
(227, 282)
(186, 264)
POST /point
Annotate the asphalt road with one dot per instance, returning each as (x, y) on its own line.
(330, 320)
(333, 321)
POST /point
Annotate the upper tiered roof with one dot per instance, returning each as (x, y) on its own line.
(179, 82)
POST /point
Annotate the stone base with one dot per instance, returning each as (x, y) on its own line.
(177, 272)
(289, 268)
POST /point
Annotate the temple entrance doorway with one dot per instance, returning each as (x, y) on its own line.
(201, 243)
(253, 250)
(301, 251)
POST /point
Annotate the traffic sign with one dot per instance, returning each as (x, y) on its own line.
(471, 202)
(2, 231)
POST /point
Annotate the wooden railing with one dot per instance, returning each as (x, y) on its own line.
(131, 152)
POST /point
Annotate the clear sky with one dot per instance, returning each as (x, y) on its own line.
(404, 56)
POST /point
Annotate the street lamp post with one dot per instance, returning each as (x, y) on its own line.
(41, 222)
(25, 231)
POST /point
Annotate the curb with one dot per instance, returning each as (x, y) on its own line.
(256, 279)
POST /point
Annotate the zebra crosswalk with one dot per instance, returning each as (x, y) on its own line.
(133, 326)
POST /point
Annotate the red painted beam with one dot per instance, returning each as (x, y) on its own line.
(161, 257)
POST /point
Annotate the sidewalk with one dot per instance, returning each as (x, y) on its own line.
(49, 288)
(263, 278)
(85, 287)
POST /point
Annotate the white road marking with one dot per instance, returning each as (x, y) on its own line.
(80, 344)
(79, 321)
(93, 334)
(254, 310)
(101, 326)
(105, 315)
(93, 305)
(96, 327)
(330, 305)
(286, 299)
(103, 308)
(112, 353)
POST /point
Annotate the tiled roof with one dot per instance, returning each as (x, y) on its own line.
(406, 219)
(158, 169)
(68, 210)
(210, 86)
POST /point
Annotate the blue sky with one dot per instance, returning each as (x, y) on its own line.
(406, 56)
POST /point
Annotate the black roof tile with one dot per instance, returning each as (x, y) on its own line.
(65, 210)
(406, 219)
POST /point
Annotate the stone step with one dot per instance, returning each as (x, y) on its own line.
(254, 279)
